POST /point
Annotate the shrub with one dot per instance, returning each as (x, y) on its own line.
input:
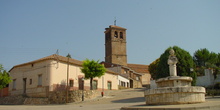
(217, 85)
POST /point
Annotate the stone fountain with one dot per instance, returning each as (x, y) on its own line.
(174, 89)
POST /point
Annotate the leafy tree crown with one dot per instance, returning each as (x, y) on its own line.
(185, 63)
(92, 69)
(5, 79)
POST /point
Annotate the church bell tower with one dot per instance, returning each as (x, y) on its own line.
(115, 45)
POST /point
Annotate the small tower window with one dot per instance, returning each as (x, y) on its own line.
(121, 35)
(30, 81)
(116, 34)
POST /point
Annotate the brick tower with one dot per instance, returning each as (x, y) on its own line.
(115, 45)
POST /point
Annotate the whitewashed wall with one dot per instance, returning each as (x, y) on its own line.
(208, 79)
(123, 79)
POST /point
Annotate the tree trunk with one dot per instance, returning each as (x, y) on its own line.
(91, 85)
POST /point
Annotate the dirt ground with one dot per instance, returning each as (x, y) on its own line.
(115, 100)
(112, 100)
(118, 96)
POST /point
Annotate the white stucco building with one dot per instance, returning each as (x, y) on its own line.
(37, 78)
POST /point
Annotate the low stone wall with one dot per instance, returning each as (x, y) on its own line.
(36, 101)
(12, 100)
(56, 97)
(59, 97)
(21, 100)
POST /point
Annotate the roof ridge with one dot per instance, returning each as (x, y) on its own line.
(60, 58)
(136, 64)
(50, 57)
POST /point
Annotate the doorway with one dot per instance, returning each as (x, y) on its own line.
(131, 83)
(24, 85)
(81, 83)
(109, 85)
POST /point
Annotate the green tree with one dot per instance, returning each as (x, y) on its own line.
(5, 79)
(92, 69)
(204, 59)
(218, 60)
(217, 66)
(153, 68)
(184, 66)
(213, 57)
(201, 56)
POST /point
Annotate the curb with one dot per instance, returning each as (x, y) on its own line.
(183, 108)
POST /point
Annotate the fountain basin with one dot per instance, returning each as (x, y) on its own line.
(174, 81)
(175, 95)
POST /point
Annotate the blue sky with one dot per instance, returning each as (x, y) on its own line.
(32, 29)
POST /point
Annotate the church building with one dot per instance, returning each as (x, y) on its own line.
(137, 75)
(46, 75)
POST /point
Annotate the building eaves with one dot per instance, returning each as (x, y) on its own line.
(52, 57)
(59, 59)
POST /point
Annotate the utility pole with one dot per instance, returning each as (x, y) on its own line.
(82, 88)
(67, 80)
(102, 86)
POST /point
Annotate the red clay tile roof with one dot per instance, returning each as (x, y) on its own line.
(53, 57)
(58, 58)
(139, 68)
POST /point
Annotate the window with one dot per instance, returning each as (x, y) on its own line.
(137, 78)
(121, 35)
(109, 85)
(39, 80)
(30, 81)
(14, 84)
(123, 84)
(95, 84)
(116, 34)
(71, 83)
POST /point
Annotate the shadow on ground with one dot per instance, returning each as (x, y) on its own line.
(212, 97)
(130, 100)
(137, 89)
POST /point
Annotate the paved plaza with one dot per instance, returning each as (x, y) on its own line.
(130, 99)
